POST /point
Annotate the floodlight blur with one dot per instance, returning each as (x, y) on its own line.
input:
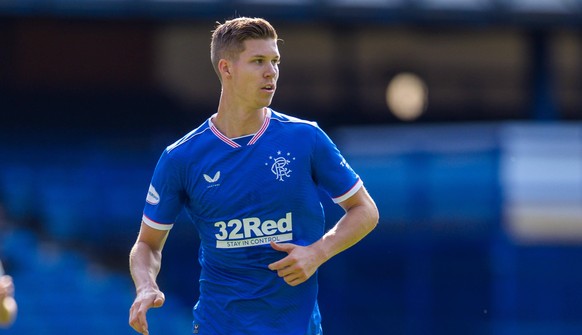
(407, 96)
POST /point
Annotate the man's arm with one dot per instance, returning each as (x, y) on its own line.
(145, 261)
(8, 307)
(360, 218)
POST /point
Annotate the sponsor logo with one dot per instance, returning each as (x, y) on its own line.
(280, 165)
(248, 232)
(213, 179)
(153, 198)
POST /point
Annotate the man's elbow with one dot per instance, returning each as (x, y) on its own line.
(372, 216)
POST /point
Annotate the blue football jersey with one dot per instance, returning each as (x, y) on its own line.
(241, 194)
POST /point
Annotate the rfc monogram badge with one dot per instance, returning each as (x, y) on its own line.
(280, 165)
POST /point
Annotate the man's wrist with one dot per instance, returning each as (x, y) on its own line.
(146, 287)
(320, 252)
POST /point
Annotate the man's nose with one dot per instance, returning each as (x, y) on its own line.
(271, 71)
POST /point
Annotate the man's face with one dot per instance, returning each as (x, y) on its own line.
(255, 73)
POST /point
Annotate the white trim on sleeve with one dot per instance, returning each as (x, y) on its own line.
(155, 225)
(349, 193)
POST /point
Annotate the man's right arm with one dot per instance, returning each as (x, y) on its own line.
(145, 261)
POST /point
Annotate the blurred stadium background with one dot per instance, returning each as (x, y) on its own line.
(462, 116)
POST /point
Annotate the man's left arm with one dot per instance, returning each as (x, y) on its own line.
(360, 218)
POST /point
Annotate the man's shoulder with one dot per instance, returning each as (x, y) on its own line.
(291, 120)
(191, 139)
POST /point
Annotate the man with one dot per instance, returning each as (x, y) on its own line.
(248, 178)
(8, 307)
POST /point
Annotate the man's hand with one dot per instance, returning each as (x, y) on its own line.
(6, 287)
(299, 264)
(144, 300)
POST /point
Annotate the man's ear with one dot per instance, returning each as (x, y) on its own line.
(224, 67)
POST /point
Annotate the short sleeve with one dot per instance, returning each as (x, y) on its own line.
(331, 171)
(164, 199)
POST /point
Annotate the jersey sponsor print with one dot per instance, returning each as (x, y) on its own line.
(247, 232)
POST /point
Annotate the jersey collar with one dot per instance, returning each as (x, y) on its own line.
(232, 143)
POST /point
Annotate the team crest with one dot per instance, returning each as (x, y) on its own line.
(280, 165)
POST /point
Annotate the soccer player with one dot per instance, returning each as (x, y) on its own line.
(248, 177)
(8, 307)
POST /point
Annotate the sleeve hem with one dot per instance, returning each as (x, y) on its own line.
(350, 192)
(156, 225)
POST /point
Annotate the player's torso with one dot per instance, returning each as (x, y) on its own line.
(240, 198)
(249, 195)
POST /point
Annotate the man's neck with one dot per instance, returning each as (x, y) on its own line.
(238, 122)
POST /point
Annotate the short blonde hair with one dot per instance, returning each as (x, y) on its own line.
(228, 38)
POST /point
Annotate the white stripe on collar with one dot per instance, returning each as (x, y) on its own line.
(253, 140)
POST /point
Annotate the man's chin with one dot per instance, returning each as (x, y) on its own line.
(266, 104)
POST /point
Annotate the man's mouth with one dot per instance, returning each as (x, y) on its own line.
(269, 88)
